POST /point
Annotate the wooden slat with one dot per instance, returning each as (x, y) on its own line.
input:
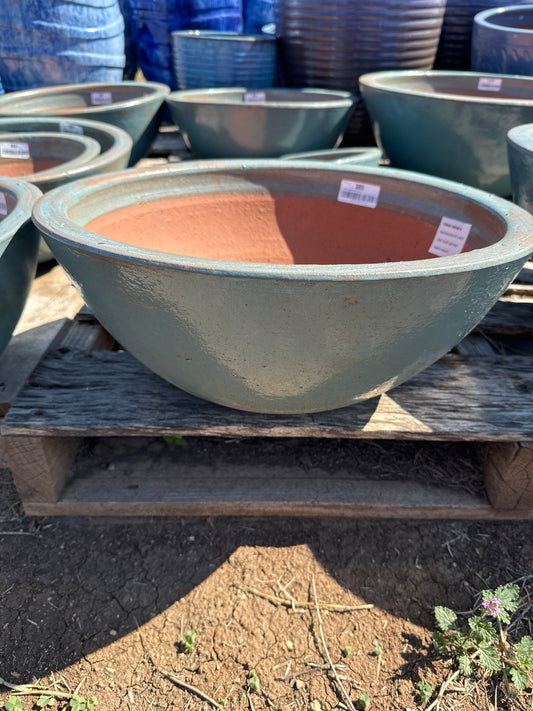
(102, 393)
(509, 319)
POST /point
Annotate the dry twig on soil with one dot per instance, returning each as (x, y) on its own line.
(332, 607)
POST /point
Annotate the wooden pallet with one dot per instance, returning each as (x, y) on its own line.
(83, 388)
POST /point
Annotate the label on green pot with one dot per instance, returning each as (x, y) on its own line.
(3, 204)
(364, 194)
(14, 150)
(254, 97)
(450, 238)
(489, 84)
(100, 98)
(66, 127)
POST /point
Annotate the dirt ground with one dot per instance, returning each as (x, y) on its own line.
(109, 604)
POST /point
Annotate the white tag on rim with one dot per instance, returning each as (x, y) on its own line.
(450, 237)
(364, 194)
(3, 204)
(99, 98)
(14, 150)
(66, 127)
(489, 84)
(254, 97)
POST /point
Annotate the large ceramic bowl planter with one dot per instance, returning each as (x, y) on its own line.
(241, 123)
(19, 244)
(136, 107)
(520, 151)
(449, 124)
(361, 156)
(502, 40)
(204, 58)
(279, 287)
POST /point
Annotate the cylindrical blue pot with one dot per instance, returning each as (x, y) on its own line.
(19, 243)
(130, 67)
(203, 58)
(331, 43)
(502, 40)
(60, 42)
(456, 36)
(520, 151)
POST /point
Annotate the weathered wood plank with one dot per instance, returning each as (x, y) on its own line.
(508, 318)
(509, 474)
(75, 393)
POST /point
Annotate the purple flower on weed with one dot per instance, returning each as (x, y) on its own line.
(493, 606)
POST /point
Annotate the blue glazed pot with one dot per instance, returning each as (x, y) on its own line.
(449, 124)
(520, 150)
(361, 156)
(251, 284)
(19, 242)
(222, 123)
(60, 42)
(502, 40)
(204, 59)
(136, 107)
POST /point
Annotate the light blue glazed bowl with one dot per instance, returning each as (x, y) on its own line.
(520, 150)
(502, 40)
(361, 156)
(266, 123)
(19, 243)
(136, 107)
(283, 287)
(449, 124)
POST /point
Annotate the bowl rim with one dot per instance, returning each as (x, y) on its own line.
(343, 153)
(26, 194)
(338, 98)
(50, 217)
(483, 18)
(157, 90)
(376, 81)
(521, 137)
(222, 36)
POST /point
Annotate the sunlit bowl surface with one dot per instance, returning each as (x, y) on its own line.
(19, 243)
(260, 123)
(361, 156)
(136, 107)
(449, 124)
(250, 284)
(520, 149)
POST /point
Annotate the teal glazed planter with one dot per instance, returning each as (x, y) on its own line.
(520, 151)
(360, 156)
(242, 123)
(251, 284)
(19, 243)
(136, 107)
(449, 124)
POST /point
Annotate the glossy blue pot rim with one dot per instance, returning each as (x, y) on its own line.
(50, 215)
(26, 195)
(384, 81)
(522, 137)
(483, 18)
(155, 90)
(336, 98)
(220, 36)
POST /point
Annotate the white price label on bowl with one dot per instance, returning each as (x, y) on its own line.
(450, 238)
(3, 204)
(489, 84)
(100, 98)
(364, 194)
(66, 127)
(255, 97)
(14, 150)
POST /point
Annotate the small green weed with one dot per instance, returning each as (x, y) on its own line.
(175, 441)
(364, 702)
(377, 650)
(81, 703)
(425, 689)
(190, 641)
(45, 700)
(346, 651)
(14, 703)
(253, 681)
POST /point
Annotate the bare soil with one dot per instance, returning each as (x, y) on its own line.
(109, 603)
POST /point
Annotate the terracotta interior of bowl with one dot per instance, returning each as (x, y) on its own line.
(283, 229)
(44, 154)
(463, 85)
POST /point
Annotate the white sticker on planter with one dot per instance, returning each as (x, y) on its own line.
(364, 194)
(450, 238)
(99, 98)
(3, 204)
(66, 127)
(489, 84)
(14, 150)
(254, 97)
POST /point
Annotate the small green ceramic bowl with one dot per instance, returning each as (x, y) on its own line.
(282, 286)
(449, 124)
(520, 151)
(19, 244)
